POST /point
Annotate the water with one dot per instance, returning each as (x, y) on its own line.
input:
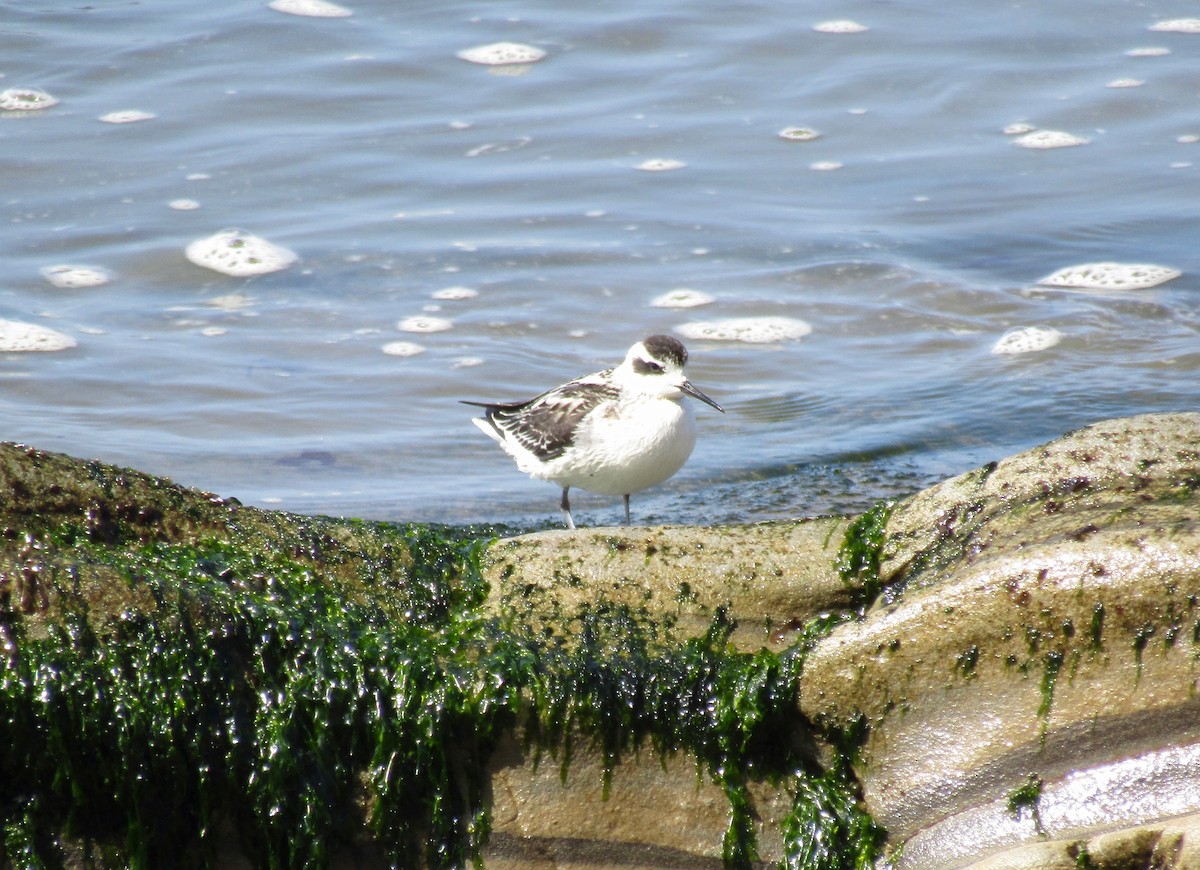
(395, 170)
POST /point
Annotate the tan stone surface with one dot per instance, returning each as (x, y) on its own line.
(658, 813)
(1173, 844)
(773, 576)
(1102, 472)
(1046, 623)
(1038, 856)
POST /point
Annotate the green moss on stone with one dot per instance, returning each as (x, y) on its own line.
(1141, 637)
(966, 662)
(252, 687)
(862, 552)
(1025, 799)
(1083, 859)
(1097, 628)
(1052, 664)
(827, 829)
(178, 672)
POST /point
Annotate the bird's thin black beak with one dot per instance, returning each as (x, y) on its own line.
(687, 387)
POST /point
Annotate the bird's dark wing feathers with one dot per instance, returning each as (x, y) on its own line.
(545, 425)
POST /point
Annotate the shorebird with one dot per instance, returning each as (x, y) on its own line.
(615, 432)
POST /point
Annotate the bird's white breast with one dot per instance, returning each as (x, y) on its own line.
(626, 446)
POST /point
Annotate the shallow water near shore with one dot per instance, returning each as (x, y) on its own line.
(909, 234)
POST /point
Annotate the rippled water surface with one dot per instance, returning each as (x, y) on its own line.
(910, 234)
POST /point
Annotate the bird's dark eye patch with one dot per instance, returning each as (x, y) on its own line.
(647, 367)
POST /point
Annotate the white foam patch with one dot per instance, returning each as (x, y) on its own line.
(71, 277)
(25, 99)
(798, 134)
(1111, 276)
(1125, 83)
(1045, 139)
(424, 324)
(1027, 339)
(825, 165)
(402, 348)
(682, 298)
(752, 330)
(660, 164)
(510, 69)
(127, 116)
(841, 25)
(19, 337)
(237, 253)
(232, 302)
(502, 54)
(1018, 128)
(183, 204)
(1177, 25)
(1149, 51)
(310, 8)
(468, 362)
(454, 294)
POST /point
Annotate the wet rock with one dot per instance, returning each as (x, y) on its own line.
(1040, 619)
(1170, 845)
(1022, 694)
(660, 811)
(331, 691)
(656, 814)
(772, 577)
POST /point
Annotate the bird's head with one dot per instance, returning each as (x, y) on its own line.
(654, 366)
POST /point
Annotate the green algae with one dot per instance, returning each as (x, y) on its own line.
(1141, 637)
(1052, 664)
(828, 828)
(1026, 799)
(966, 662)
(623, 684)
(862, 551)
(254, 688)
(258, 696)
(181, 676)
(1084, 860)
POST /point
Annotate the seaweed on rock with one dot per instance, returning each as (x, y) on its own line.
(257, 696)
(181, 677)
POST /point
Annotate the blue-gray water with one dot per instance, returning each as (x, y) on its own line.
(394, 170)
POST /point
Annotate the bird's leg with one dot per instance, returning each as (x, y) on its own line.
(628, 521)
(566, 509)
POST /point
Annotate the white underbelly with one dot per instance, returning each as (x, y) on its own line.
(626, 450)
